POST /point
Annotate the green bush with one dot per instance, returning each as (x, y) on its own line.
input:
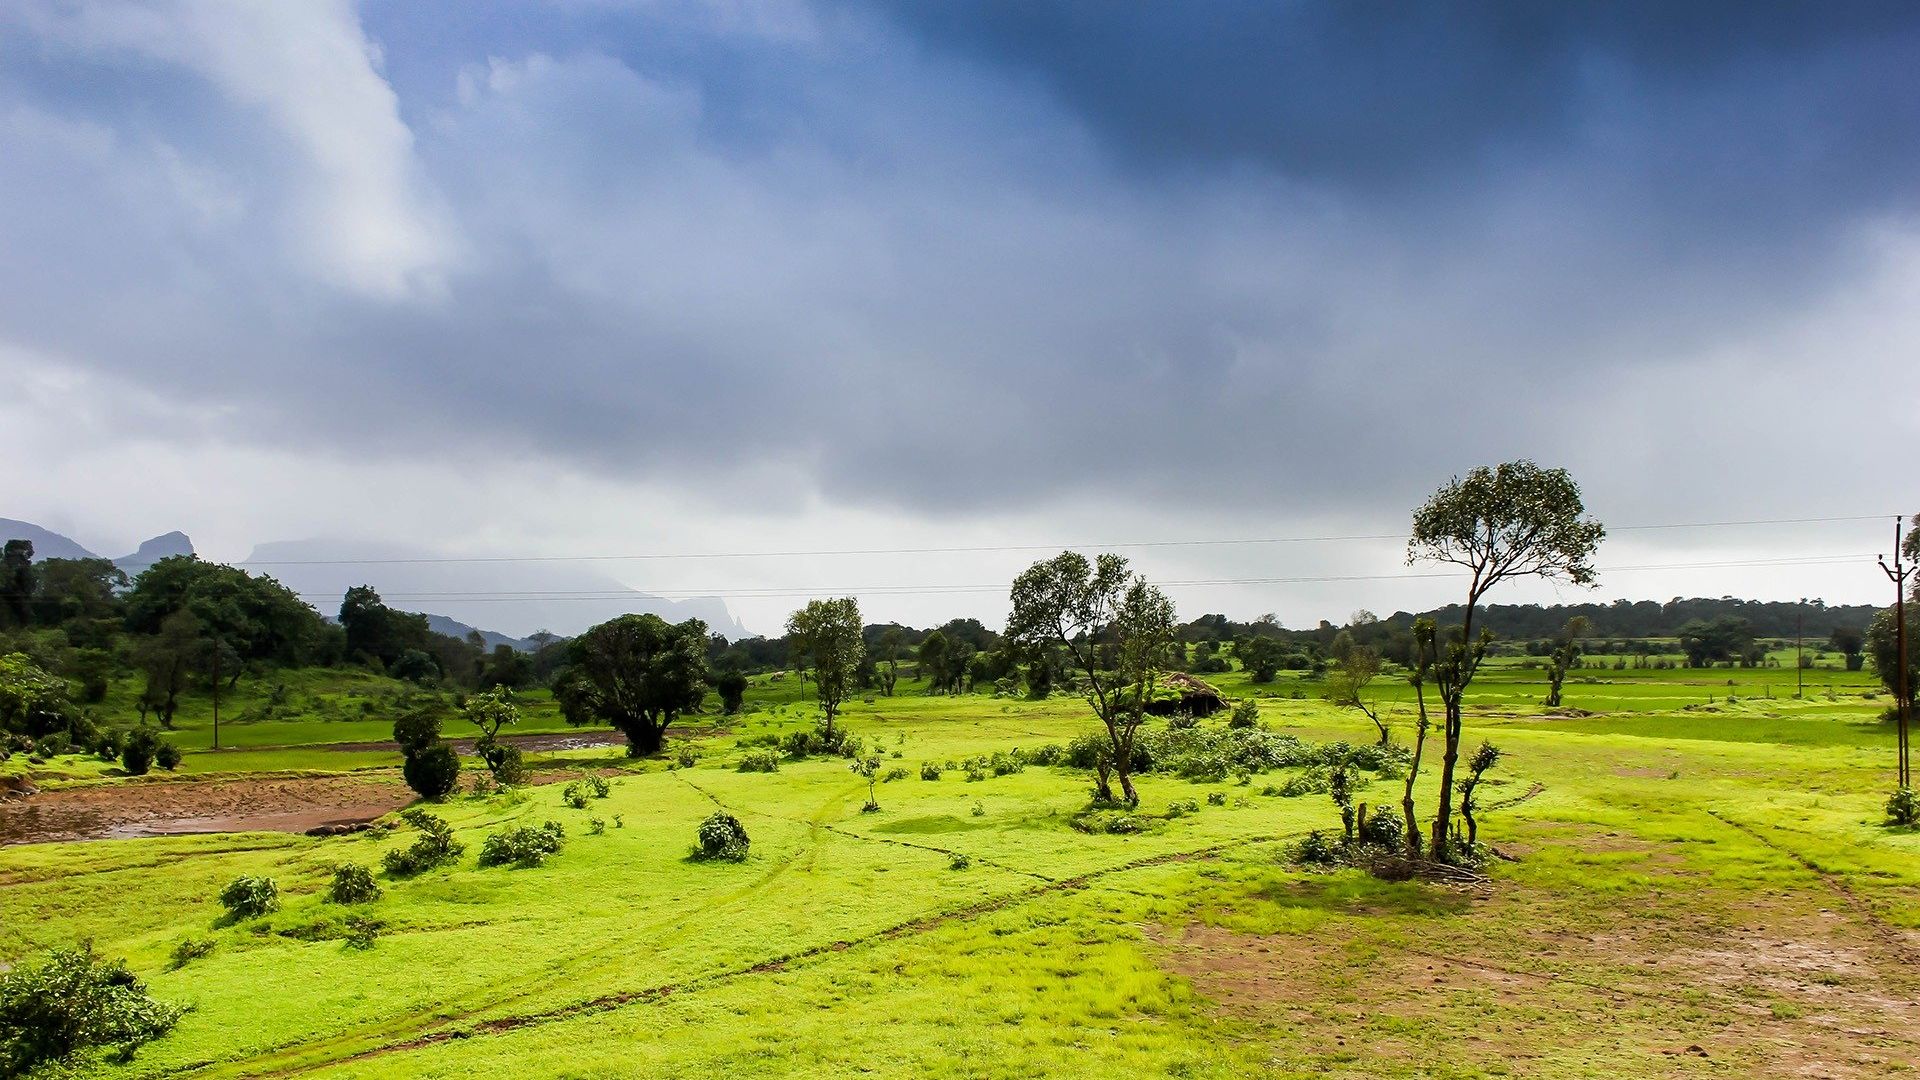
(433, 771)
(137, 753)
(1311, 781)
(361, 932)
(959, 861)
(721, 836)
(434, 847)
(1183, 807)
(1216, 798)
(1317, 849)
(353, 884)
(248, 896)
(166, 755)
(929, 771)
(187, 950)
(1383, 830)
(1246, 714)
(895, 773)
(70, 1003)
(1903, 807)
(759, 761)
(525, 846)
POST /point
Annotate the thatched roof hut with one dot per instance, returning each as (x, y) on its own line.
(1180, 694)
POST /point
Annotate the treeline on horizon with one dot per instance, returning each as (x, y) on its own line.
(183, 619)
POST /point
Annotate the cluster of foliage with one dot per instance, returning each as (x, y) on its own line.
(429, 763)
(352, 884)
(589, 786)
(73, 1002)
(523, 846)
(721, 836)
(435, 846)
(250, 896)
(492, 710)
(636, 673)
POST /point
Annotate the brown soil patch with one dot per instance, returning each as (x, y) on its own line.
(118, 811)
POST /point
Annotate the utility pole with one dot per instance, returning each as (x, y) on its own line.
(1898, 574)
(1799, 665)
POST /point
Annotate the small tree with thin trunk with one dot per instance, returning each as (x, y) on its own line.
(1423, 654)
(1087, 608)
(1352, 670)
(827, 633)
(1501, 522)
(1561, 658)
(1483, 759)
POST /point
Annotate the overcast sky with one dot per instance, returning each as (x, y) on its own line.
(682, 276)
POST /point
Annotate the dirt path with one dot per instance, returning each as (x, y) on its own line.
(168, 808)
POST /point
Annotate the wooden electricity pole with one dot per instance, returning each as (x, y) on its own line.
(1898, 574)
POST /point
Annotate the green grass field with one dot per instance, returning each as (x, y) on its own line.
(1698, 888)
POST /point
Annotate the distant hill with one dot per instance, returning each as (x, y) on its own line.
(48, 544)
(441, 624)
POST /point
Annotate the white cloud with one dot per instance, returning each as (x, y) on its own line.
(363, 216)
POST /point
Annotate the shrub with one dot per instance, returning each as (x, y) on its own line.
(508, 766)
(434, 847)
(575, 795)
(137, 753)
(1246, 714)
(979, 808)
(166, 755)
(526, 846)
(895, 773)
(1383, 830)
(1182, 807)
(361, 932)
(70, 1003)
(1317, 849)
(1050, 754)
(1903, 807)
(598, 785)
(433, 771)
(759, 761)
(248, 896)
(1216, 798)
(1311, 781)
(929, 771)
(596, 826)
(187, 950)
(352, 884)
(959, 861)
(721, 836)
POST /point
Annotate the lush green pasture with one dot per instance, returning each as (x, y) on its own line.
(1647, 838)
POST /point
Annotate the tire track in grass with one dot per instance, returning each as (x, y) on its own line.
(1888, 934)
(506, 992)
(914, 927)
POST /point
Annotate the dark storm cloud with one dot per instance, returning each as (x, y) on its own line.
(956, 257)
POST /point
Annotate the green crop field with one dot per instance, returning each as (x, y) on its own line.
(1692, 885)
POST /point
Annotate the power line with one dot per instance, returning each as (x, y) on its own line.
(988, 548)
(781, 591)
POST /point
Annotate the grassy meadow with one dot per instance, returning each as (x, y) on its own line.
(1693, 886)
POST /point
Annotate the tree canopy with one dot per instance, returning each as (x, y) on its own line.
(637, 673)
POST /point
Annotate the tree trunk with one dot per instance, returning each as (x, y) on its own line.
(644, 737)
(1443, 820)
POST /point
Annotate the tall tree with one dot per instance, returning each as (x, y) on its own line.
(1498, 523)
(1080, 606)
(933, 661)
(16, 583)
(637, 673)
(828, 634)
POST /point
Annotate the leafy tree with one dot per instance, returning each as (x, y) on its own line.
(377, 632)
(1347, 684)
(256, 616)
(491, 710)
(1564, 654)
(1707, 641)
(70, 1003)
(731, 684)
(637, 673)
(433, 771)
(892, 643)
(933, 661)
(1882, 644)
(1483, 759)
(1851, 644)
(81, 596)
(828, 633)
(33, 702)
(1261, 656)
(168, 660)
(1076, 605)
(1502, 522)
(16, 583)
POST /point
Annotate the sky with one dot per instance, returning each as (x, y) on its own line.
(699, 277)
